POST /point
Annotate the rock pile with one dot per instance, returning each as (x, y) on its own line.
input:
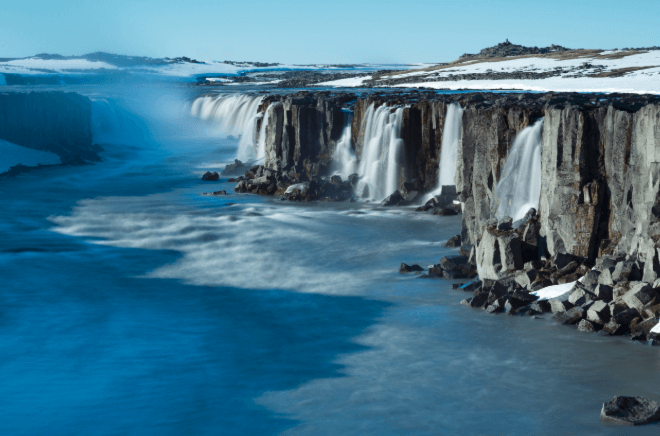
(294, 185)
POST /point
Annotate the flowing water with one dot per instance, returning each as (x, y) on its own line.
(133, 305)
(451, 136)
(381, 158)
(519, 188)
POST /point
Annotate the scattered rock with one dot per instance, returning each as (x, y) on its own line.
(631, 411)
(404, 269)
(211, 177)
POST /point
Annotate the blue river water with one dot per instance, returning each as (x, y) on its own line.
(130, 304)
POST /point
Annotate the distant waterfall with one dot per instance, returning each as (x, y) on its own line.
(519, 188)
(234, 115)
(343, 159)
(451, 136)
(380, 162)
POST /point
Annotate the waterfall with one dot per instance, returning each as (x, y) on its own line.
(380, 162)
(451, 136)
(519, 188)
(261, 145)
(343, 159)
(234, 115)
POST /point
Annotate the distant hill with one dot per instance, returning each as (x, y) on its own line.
(506, 49)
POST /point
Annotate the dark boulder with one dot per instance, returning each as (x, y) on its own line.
(571, 316)
(404, 269)
(395, 199)
(453, 242)
(236, 169)
(211, 177)
(631, 411)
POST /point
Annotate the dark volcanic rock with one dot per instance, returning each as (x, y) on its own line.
(404, 269)
(235, 169)
(631, 411)
(211, 177)
(454, 241)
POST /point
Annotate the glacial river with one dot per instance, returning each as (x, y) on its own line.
(130, 304)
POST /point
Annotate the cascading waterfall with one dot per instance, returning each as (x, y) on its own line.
(451, 136)
(235, 115)
(380, 162)
(519, 189)
(344, 159)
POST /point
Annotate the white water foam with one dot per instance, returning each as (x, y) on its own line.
(451, 136)
(234, 115)
(381, 159)
(519, 189)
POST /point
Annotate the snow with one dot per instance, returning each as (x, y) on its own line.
(656, 329)
(12, 154)
(553, 291)
(350, 82)
(59, 64)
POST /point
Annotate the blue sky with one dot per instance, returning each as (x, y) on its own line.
(382, 31)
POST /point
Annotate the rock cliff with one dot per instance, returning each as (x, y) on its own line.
(600, 157)
(57, 122)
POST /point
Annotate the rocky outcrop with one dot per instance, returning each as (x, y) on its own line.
(630, 411)
(58, 122)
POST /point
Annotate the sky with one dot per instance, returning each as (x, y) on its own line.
(334, 31)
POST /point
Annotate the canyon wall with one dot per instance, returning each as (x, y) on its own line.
(58, 122)
(600, 169)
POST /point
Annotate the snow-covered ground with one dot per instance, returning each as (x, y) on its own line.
(573, 74)
(12, 154)
(346, 83)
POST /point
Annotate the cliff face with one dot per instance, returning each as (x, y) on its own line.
(302, 127)
(51, 121)
(600, 169)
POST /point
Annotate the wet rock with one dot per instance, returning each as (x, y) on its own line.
(238, 168)
(479, 301)
(405, 269)
(571, 316)
(394, 199)
(466, 302)
(444, 212)
(215, 193)
(211, 176)
(586, 326)
(614, 328)
(639, 329)
(631, 411)
(453, 242)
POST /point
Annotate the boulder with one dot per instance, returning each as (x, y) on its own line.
(479, 301)
(506, 223)
(453, 242)
(614, 328)
(605, 277)
(465, 250)
(559, 306)
(571, 316)
(590, 280)
(603, 292)
(510, 253)
(638, 296)
(526, 278)
(444, 211)
(404, 269)
(622, 271)
(599, 313)
(640, 329)
(630, 411)
(236, 169)
(586, 326)
(211, 177)
(394, 199)
(580, 296)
